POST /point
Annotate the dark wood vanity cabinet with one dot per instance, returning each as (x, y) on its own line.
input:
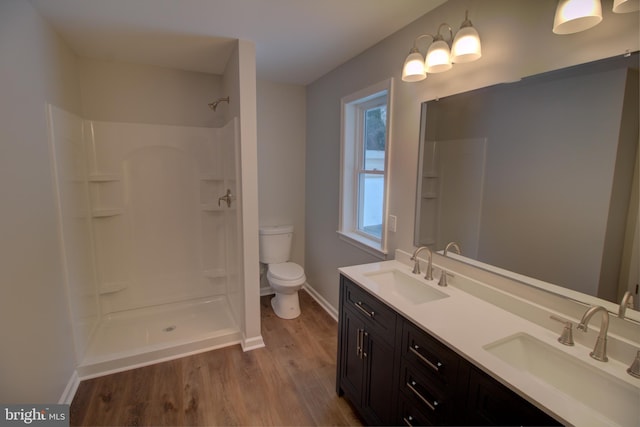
(395, 373)
(431, 376)
(366, 354)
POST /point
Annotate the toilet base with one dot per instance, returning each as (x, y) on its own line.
(286, 306)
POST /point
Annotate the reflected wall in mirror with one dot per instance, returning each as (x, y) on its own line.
(539, 177)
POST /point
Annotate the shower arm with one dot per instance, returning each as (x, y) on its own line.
(213, 105)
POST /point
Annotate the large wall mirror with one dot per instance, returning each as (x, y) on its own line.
(539, 177)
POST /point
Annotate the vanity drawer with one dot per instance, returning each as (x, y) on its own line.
(423, 398)
(429, 356)
(376, 315)
(411, 415)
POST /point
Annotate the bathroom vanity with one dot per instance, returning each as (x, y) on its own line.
(413, 353)
(395, 373)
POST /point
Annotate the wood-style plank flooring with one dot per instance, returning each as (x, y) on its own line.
(289, 382)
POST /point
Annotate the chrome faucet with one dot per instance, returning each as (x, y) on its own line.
(416, 265)
(627, 302)
(443, 276)
(600, 349)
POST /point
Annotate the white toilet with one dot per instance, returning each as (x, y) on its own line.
(285, 278)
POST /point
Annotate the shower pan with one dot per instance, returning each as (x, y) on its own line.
(160, 279)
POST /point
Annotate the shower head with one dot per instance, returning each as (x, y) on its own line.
(214, 104)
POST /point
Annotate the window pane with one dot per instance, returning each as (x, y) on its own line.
(375, 126)
(370, 195)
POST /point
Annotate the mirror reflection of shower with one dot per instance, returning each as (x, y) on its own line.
(214, 104)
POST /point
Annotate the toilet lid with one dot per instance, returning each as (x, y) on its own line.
(286, 271)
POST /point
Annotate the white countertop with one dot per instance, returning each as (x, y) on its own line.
(466, 323)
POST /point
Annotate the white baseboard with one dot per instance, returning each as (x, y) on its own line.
(253, 343)
(333, 312)
(266, 291)
(70, 391)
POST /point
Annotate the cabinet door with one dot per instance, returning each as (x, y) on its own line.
(379, 385)
(351, 362)
(491, 403)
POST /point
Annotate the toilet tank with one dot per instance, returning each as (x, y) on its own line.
(275, 244)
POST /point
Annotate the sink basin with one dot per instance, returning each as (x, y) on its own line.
(405, 286)
(613, 398)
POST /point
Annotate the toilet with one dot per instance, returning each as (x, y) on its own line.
(285, 278)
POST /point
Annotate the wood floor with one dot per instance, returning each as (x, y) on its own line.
(290, 382)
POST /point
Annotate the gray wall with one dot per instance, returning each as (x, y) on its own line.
(135, 93)
(517, 41)
(37, 358)
(281, 153)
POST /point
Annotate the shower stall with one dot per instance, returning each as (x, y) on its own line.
(149, 227)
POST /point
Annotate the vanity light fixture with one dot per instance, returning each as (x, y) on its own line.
(626, 6)
(443, 53)
(573, 16)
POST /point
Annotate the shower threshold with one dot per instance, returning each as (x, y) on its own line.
(144, 336)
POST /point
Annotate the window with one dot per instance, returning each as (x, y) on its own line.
(365, 148)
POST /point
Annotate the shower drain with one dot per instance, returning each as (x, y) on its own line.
(169, 328)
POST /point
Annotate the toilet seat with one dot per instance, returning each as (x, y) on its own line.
(285, 271)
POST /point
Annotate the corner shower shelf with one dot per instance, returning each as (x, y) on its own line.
(211, 178)
(212, 207)
(103, 213)
(429, 196)
(112, 287)
(103, 177)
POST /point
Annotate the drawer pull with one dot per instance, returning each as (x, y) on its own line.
(436, 367)
(431, 406)
(407, 420)
(362, 309)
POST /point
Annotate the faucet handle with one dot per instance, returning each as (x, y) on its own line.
(634, 369)
(443, 278)
(416, 265)
(566, 337)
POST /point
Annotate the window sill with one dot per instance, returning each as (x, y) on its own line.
(361, 242)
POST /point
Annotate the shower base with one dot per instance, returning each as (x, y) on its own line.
(140, 337)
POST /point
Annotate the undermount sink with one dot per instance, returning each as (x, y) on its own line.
(612, 397)
(409, 288)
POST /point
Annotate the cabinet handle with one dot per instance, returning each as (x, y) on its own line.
(436, 367)
(365, 334)
(359, 344)
(359, 307)
(431, 406)
(407, 420)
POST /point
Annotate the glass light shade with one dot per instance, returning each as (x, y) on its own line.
(438, 57)
(413, 69)
(466, 46)
(626, 6)
(573, 16)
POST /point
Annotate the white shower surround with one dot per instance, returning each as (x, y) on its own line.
(144, 240)
(160, 235)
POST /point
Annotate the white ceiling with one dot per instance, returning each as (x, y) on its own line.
(297, 41)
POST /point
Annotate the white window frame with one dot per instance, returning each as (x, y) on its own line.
(351, 150)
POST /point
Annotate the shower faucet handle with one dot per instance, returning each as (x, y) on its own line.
(226, 198)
